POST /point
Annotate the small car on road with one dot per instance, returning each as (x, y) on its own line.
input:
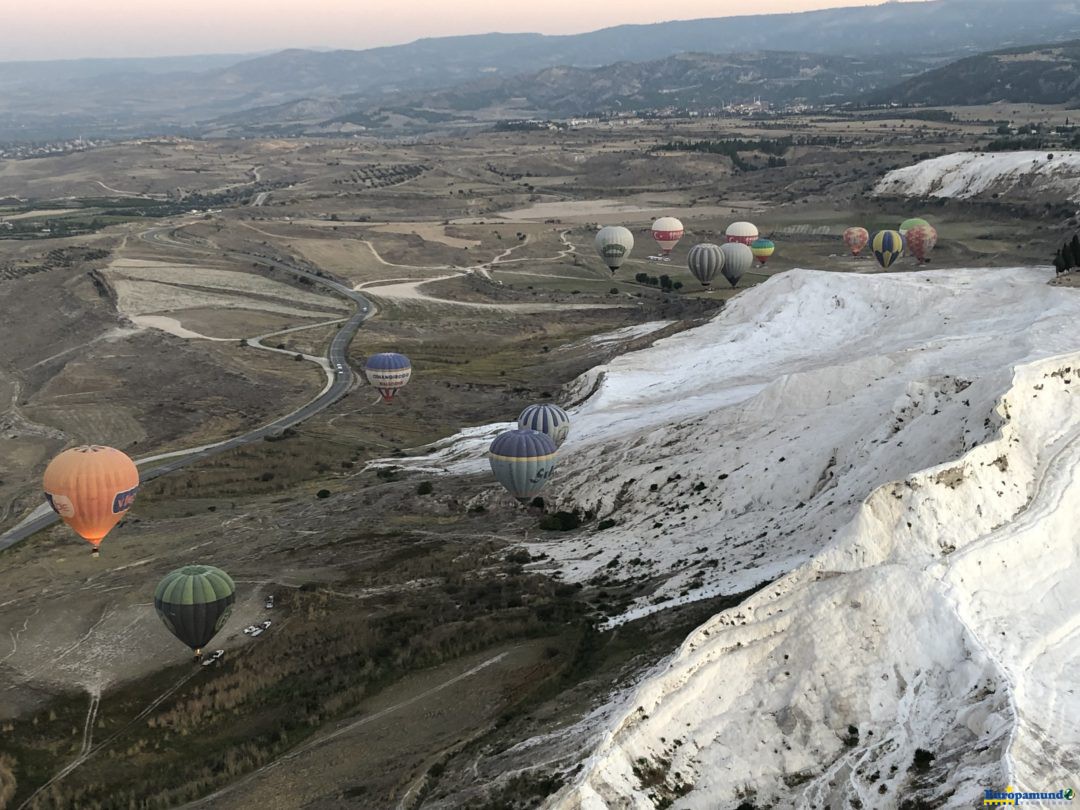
(213, 658)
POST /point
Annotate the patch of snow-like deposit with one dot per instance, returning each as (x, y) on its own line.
(901, 453)
(898, 455)
(968, 174)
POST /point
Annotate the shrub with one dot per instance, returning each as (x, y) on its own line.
(322, 493)
(425, 488)
(560, 522)
(606, 523)
(922, 759)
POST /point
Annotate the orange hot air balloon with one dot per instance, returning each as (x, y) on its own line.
(91, 488)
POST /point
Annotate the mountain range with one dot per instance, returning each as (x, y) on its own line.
(40, 100)
(1042, 74)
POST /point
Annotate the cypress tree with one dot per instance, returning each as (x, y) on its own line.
(1067, 256)
(1076, 249)
(1059, 263)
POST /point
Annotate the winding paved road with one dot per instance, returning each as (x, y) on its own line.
(338, 387)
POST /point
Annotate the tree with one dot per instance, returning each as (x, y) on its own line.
(1067, 257)
(1059, 263)
(641, 278)
(665, 282)
(1075, 244)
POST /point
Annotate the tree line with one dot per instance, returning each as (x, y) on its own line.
(1067, 257)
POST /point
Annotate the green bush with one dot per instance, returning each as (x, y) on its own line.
(560, 522)
(322, 493)
(425, 488)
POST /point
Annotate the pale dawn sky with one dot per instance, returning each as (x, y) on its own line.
(67, 29)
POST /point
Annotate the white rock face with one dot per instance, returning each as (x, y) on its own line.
(921, 531)
(969, 174)
(898, 457)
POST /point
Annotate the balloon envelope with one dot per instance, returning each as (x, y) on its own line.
(738, 258)
(614, 244)
(762, 249)
(522, 461)
(91, 488)
(667, 231)
(705, 261)
(908, 224)
(194, 603)
(388, 372)
(888, 246)
(551, 420)
(921, 240)
(745, 232)
(856, 239)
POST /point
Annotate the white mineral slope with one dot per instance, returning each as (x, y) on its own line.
(969, 174)
(898, 455)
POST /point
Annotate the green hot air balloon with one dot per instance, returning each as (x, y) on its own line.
(908, 224)
(194, 602)
(614, 244)
(762, 249)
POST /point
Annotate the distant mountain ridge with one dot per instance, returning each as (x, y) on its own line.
(687, 80)
(950, 27)
(1042, 74)
(33, 104)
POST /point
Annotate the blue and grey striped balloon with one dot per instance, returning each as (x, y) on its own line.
(522, 461)
(548, 419)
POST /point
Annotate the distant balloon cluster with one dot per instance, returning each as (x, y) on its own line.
(915, 236)
(743, 245)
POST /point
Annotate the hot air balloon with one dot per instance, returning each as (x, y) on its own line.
(908, 224)
(921, 240)
(522, 461)
(888, 246)
(667, 231)
(551, 420)
(614, 244)
(745, 232)
(738, 258)
(856, 239)
(91, 488)
(705, 261)
(762, 249)
(388, 372)
(194, 602)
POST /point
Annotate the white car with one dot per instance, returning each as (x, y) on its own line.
(251, 628)
(213, 658)
(269, 602)
(256, 631)
(266, 624)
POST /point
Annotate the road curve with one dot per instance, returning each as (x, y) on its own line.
(335, 355)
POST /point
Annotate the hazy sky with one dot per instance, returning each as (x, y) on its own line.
(59, 29)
